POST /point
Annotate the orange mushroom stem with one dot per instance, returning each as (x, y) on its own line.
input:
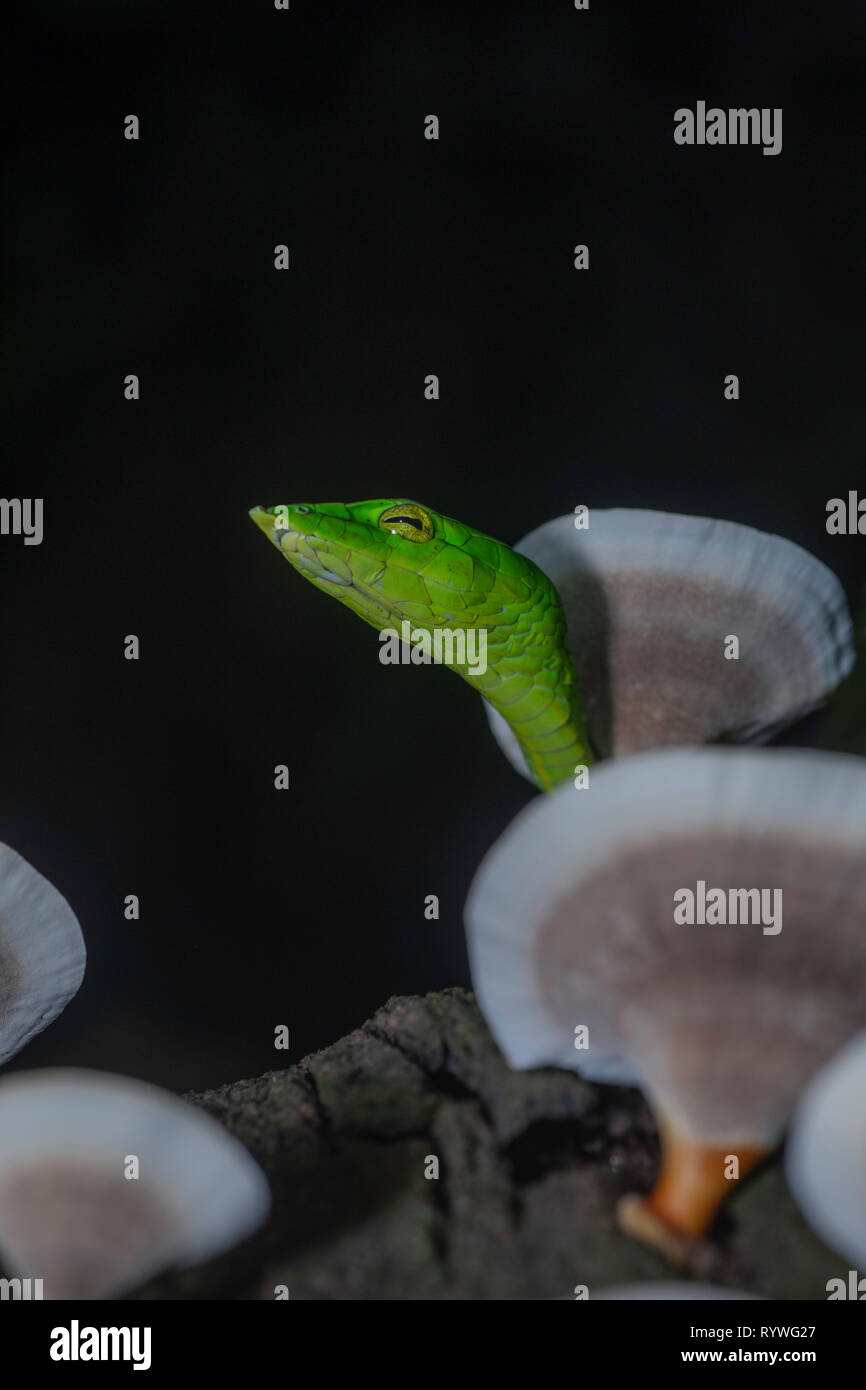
(694, 1180)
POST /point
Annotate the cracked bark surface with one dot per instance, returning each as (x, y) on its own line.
(530, 1167)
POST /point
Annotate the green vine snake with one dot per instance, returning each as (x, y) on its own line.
(394, 560)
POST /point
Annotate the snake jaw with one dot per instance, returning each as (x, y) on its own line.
(306, 553)
(313, 557)
(314, 569)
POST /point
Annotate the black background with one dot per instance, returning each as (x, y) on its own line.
(407, 257)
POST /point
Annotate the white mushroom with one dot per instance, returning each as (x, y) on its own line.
(574, 938)
(72, 1210)
(826, 1153)
(652, 599)
(42, 954)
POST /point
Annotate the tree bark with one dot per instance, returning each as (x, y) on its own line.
(530, 1166)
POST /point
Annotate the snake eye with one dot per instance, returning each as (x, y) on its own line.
(301, 508)
(408, 520)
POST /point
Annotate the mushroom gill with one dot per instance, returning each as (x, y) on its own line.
(582, 955)
(651, 600)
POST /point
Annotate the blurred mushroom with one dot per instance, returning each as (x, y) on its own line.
(42, 953)
(826, 1153)
(73, 1214)
(573, 940)
(651, 599)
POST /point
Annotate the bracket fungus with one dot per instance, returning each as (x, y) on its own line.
(826, 1153)
(694, 923)
(105, 1181)
(652, 602)
(42, 953)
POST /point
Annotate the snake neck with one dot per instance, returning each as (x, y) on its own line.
(549, 727)
(532, 682)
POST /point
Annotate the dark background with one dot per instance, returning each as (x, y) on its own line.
(408, 257)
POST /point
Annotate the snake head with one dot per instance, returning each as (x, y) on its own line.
(393, 559)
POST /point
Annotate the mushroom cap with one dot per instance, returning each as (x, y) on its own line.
(68, 1213)
(571, 922)
(671, 1291)
(650, 598)
(42, 953)
(825, 1158)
